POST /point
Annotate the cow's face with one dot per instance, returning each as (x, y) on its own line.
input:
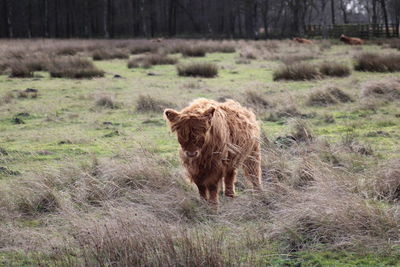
(190, 129)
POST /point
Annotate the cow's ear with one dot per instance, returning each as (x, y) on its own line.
(209, 113)
(171, 115)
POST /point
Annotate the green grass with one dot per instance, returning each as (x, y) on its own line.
(64, 109)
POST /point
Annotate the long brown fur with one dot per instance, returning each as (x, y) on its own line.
(302, 40)
(223, 136)
(351, 40)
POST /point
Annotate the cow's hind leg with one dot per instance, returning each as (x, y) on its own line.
(229, 179)
(252, 168)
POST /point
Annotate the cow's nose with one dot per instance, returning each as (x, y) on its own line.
(191, 154)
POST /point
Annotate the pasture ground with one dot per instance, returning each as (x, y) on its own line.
(73, 169)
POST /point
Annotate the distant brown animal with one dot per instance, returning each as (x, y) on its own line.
(351, 40)
(217, 138)
(302, 40)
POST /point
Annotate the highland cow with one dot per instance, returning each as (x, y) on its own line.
(302, 40)
(351, 40)
(216, 139)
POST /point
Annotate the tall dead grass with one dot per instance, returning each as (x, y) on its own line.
(375, 62)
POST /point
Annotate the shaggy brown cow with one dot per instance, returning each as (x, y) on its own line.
(216, 139)
(351, 40)
(302, 40)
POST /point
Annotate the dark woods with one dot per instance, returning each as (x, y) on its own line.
(210, 18)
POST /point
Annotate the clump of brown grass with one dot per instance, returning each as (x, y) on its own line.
(328, 214)
(193, 50)
(67, 50)
(254, 99)
(35, 197)
(334, 69)
(221, 47)
(301, 131)
(375, 62)
(293, 58)
(147, 103)
(198, 69)
(297, 72)
(385, 182)
(388, 89)
(105, 99)
(7, 98)
(107, 54)
(241, 60)
(73, 67)
(19, 69)
(284, 109)
(249, 53)
(324, 45)
(351, 144)
(149, 60)
(143, 47)
(327, 96)
(141, 240)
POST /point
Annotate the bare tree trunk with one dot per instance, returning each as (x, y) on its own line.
(374, 13)
(46, 18)
(105, 19)
(333, 12)
(385, 17)
(344, 11)
(29, 28)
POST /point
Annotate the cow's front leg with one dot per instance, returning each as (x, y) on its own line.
(202, 191)
(213, 190)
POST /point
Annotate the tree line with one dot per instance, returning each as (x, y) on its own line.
(185, 18)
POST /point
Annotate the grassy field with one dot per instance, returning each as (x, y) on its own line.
(89, 172)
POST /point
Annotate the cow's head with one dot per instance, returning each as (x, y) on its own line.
(191, 129)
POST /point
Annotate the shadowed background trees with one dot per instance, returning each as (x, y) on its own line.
(194, 18)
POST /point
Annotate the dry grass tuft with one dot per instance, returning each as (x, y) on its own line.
(107, 54)
(301, 131)
(388, 89)
(375, 62)
(257, 101)
(7, 98)
(193, 50)
(19, 69)
(146, 103)
(143, 47)
(293, 58)
(386, 182)
(334, 69)
(74, 67)
(105, 99)
(198, 69)
(327, 96)
(297, 72)
(328, 214)
(149, 60)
